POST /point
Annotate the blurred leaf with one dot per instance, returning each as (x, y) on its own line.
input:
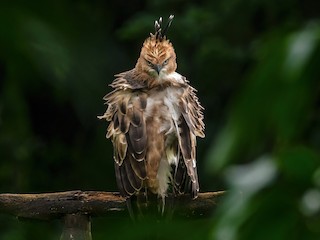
(298, 164)
(272, 107)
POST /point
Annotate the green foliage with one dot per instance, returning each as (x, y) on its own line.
(255, 65)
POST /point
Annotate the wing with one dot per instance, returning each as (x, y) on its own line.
(190, 126)
(127, 130)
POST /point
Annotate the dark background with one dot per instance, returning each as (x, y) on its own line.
(255, 65)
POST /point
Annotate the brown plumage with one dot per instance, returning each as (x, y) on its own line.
(154, 118)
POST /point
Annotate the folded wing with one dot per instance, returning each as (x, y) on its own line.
(127, 130)
(190, 126)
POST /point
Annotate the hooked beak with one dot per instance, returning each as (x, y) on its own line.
(157, 67)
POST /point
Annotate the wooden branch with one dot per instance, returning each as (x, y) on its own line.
(46, 206)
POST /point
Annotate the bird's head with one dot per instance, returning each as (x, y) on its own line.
(157, 58)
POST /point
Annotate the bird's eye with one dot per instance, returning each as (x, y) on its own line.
(149, 63)
(166, 62)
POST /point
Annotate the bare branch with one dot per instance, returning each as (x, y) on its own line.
(46, 206)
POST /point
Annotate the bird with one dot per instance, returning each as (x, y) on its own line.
(154, 118)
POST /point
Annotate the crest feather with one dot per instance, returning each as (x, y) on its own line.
(160, 33)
